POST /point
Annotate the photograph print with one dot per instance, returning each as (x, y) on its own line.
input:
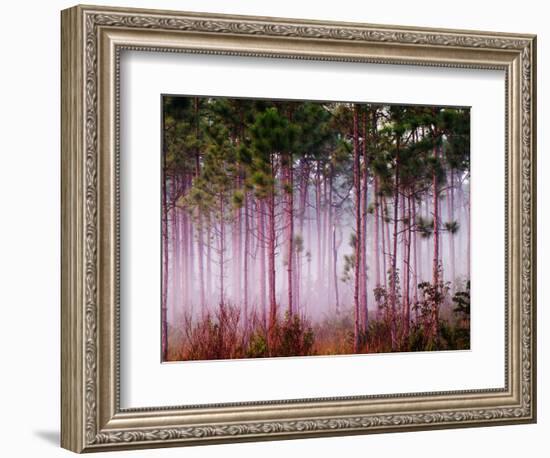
(311, 228)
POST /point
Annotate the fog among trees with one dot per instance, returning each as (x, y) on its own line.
(294, 228)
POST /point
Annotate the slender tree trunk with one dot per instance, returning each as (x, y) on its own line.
(384, 249)
(235, 251)
(175, 248)
(200, 241)
(209, 263)
(253, 255)
(297, 280)
(185, 269)
(435, 266)
(329, 229)
(200, 244)
(164, 309)
(403, 241)
(304, 182)
(393, 278)
(468, 222)
(407, 309)
(261, 241)
(376, 242)
(190, 258)
(335, 269)
(364, 284)
(357, 184)
(318, 234)
(309, 282)
(179, 277)
(450, 217)
(415, 253)
(271, 263)
(246, 259)
(325, 237)
(428, 259)
(290, 234)
(387, 255)
(222, 251)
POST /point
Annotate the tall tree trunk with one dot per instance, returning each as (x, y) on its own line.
(364, 284)
(200, 244)
(200, 241)
(236, 251)
(175, 247)
(318, 232)
(384, 238)
(164, 308)
(415, 253)
(376, 241)
(222, 251)
(290, 225)
(357, 184)
(335, 247)
(261, 242)
(309, 282)
(387, 255)
(429, 244)
(304, 183)
(435, 266)
(450, 217)
(246, 258)
(468, 222)
(393, 278)
(323, 229)
(253, 266)
(407, 302)
(403, 241)
(330, 230)
(271, 264)
(404, 267)
(191, 257)
(179, 277)
(185, 272)
(209, 264)
(297, 280)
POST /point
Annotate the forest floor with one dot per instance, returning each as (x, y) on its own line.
(227, 334)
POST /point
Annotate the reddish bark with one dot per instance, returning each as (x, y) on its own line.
(335, 246)
(290, 233)
(318, 235)
(246, 257)
(261, 242)
(271, 260)
(357, 186)
(329, 229)
(175, 245)
(450, 217)
(393, 277)
(209, 261)
(222, 250)
(200, 241)
(383, 230)
(435, 265)
(164, 308)
(407, 263)
(376, 235)
(415, 253)
(364, 285)
(387, 250)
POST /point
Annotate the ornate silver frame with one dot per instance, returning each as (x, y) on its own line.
(92, 38)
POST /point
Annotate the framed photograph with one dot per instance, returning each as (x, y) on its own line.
(279, 228)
